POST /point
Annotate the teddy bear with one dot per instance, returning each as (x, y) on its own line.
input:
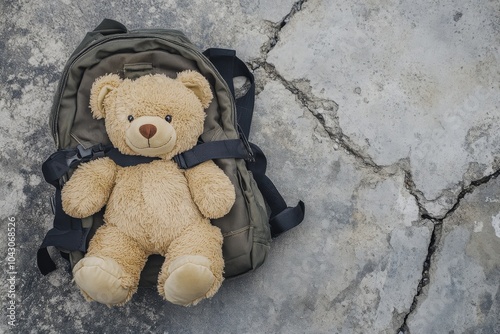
(155, 207)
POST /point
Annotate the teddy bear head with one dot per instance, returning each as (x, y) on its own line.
(154, 115)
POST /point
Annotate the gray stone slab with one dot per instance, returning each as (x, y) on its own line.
(46, 32)
(464, 291)
(414, 81)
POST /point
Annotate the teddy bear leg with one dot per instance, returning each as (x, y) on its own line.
(110, 271)
(193, 267)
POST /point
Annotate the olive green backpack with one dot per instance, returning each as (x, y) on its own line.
(259, 213)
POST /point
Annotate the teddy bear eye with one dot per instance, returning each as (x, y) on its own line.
(168, 118)
(130, 118)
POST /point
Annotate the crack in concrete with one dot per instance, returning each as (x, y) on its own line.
(313, 104)
(417, 194)
(277, 27)
(431, 248)
(425, 278)
(436, 234)
(468, 190)
(302, 91)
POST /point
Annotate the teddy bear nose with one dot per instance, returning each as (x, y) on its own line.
(147, 130)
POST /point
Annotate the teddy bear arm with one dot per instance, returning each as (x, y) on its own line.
(211, 189)
(89, 188)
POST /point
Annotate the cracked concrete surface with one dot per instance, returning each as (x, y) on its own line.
(411, 87)
(463, 294)
(381, 116)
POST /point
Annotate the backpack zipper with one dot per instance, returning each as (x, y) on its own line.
(134, 34)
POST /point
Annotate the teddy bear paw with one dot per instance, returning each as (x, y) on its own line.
(100, 279)
(190, 280)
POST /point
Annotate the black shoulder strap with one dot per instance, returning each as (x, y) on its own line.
(283, 217)
(67, 233)
(223, 149)
(125, 160)
(229, 66)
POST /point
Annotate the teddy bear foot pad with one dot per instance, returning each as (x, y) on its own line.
(189, 280)
(100, 279)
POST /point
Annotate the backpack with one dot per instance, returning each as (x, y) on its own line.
(259, 214)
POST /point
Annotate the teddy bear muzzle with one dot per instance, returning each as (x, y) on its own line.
(150, 136)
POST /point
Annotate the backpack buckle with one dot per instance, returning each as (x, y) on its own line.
(82, 154)
(73, 159)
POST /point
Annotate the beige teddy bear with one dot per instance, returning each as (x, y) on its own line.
(151, 208)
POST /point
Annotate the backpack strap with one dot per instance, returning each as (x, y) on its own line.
(230, 67)
(124, 160)
(282, 217)
(68, 233)
(223, 149)
(60, 162)
(110, 27)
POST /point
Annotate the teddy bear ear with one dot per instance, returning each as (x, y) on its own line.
(100, 89)
(198, 84)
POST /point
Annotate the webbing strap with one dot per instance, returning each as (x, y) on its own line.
(69, 240)
(44, 261)
(110, 27)
(230, 67)
(287, 219)
(223, 149)
(67, 233)
(283, 218)
(55, 167)
(124, 160)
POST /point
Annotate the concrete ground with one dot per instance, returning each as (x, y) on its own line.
(383, 116)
